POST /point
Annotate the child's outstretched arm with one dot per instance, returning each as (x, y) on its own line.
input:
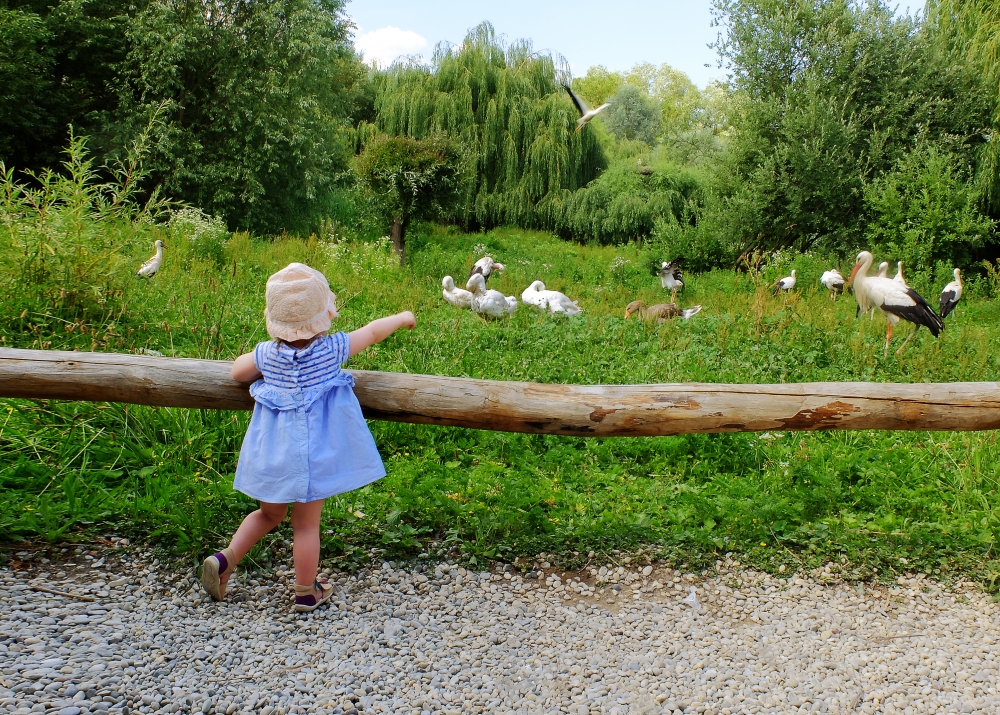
(378, 330)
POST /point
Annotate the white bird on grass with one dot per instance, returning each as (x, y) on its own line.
(537, 296)
(150, 267)
(951, 294)
(485, 266)
(896, 301)
(785, 284)
(834, 282)
(670, 277)
(586, 113)
(489, 302)
(899, 273)
(456, 296)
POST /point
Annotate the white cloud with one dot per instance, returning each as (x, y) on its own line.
(385, 45)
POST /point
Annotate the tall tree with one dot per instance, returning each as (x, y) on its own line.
(506, 107)
(259, 95)
(406, 179)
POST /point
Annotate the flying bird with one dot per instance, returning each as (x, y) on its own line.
(586, 113)
(785, 284)
(150, 267)
(951, 294)
(670, 277)
(659, 312)
(896, 301)
(834, 282)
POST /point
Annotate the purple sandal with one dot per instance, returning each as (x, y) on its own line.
(306, 599)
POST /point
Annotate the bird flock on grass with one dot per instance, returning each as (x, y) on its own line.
(892, 297)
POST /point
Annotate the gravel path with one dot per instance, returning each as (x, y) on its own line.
(450, 640)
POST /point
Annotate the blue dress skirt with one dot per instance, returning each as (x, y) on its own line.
(304, 445)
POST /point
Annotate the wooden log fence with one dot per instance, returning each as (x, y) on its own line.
(582, 410)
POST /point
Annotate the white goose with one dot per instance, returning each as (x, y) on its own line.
(785, 284)
(489, 302)
(150, 267)
(951, 294)
(895, 300)
(537, 296)
(485, 266)
(586, 113)
(834, 282)
(456, 296)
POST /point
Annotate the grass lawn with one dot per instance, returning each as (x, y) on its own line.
(869, 502)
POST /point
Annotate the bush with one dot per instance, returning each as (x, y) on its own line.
(206, 234)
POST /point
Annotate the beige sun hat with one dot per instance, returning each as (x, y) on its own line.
(300, 304)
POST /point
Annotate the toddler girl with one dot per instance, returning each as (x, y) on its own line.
(307, 439)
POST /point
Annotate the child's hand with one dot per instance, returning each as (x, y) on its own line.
(378, 330)
(408, 320)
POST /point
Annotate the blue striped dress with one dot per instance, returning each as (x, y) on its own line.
(307, 438)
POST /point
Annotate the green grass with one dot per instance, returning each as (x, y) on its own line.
(871, 502)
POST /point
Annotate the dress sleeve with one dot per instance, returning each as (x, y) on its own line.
(259, 353)
(341, 347)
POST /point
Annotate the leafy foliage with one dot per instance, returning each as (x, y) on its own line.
(504, 104)
(632, 116)
(406, 179)
(259, 95)
(829, 97)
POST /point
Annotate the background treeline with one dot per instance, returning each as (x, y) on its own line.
(841, 125)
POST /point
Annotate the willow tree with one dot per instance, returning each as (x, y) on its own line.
(504, 103)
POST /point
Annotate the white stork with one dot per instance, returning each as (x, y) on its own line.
(485, 266)
(670, 277)
(586, 113)
(833, 281)
(150, 267)
(896, 301)
(899, 273)
(951, 294)
(785, 284)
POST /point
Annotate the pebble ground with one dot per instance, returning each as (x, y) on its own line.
(135, 637)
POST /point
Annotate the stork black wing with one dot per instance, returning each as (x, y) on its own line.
(948, 303)
(576, 101)
(921, 313)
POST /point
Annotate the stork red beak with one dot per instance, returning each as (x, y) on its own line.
(857, 267)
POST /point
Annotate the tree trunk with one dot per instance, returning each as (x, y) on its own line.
(398, 235)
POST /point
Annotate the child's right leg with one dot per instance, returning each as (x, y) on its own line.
(219, 567)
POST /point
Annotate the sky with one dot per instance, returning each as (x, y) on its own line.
(617, 35)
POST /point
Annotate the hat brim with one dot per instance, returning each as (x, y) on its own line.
(303, 331)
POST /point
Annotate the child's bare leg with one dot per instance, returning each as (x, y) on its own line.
(255, 525)
(305, 540)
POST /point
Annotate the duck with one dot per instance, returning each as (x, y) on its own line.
(834, 282)
(150, 267)
(489, 302)
(586, 113)
(951, 294)
(785, 284)
(896, 301)
(670, 277)
(485, 267)
(537, 296)
(659, 312)
(456, 296)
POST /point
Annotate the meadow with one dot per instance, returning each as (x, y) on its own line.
(871, 503)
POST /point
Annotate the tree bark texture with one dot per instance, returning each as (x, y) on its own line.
(397, 232)
(582, 410)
